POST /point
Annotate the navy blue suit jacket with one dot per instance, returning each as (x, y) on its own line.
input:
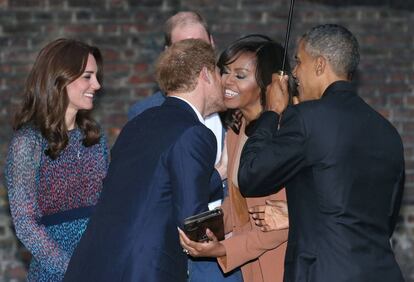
(343, 167)
(160, 173)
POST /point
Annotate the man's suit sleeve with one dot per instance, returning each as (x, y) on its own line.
(270, 156)
(396, 201)
(191, 164)
(216, 187)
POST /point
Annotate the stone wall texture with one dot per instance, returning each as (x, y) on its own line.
(129, 32)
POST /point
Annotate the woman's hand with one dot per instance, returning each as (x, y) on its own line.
(272, 216)
(212, 248)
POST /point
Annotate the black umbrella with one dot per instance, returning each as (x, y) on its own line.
(289, 24)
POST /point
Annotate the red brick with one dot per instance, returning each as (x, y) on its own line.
(86, 4)
(111, 28)
(395, 100)
(16, 273)
(81, 29)
(409, 165)
(134, 28)
(409, 178)
(129, 54)
(116, 68)
(384, 112)
(375, 100)
(116, 3)
(16, 80)
(137, 79)
(145, 3)
(408, 127)
(410, 219)
(110, 55)
(27, 3)
(141, 67)
(22, 68)
(410, 100)
(5, 69)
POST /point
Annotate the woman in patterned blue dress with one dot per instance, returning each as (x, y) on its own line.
(58, 157)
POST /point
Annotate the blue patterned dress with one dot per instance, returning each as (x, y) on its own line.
(51, 200)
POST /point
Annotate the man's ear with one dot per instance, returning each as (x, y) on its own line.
(320, 65)
(206, 75)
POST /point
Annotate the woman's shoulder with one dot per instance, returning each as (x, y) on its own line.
(27, 132)
(27, 144)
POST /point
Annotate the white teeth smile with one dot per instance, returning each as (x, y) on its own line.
(89, 95)
(230, 93)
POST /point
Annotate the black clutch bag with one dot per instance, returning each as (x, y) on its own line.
(195, 226)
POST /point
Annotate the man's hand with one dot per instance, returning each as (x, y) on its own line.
(272, 216)
(212, 248)
(277, 94)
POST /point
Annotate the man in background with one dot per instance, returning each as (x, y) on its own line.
(183, 25)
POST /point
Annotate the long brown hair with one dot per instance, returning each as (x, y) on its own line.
(45, 98)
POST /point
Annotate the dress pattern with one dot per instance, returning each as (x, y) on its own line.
(51, 200)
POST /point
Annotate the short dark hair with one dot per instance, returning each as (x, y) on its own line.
(337, 44)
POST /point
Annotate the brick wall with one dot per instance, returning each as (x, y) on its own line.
(130, 35)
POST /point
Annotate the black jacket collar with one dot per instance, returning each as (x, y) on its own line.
(339, 86)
